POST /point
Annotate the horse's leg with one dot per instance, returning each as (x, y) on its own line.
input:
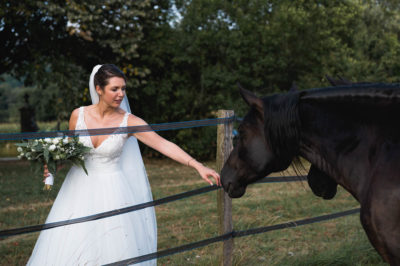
(380, 217)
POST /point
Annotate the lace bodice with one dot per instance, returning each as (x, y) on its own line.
(109, 151)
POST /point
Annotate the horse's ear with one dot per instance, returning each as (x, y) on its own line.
(338, 82)
(345, 81)
(331, 80)
(251, 99)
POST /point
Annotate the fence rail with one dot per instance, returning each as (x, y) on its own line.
(117, 130)
(231, 235)
(40, 227)
(227, 234)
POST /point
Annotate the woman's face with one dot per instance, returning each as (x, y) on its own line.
(113, 92)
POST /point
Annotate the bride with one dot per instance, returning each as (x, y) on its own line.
(116, 179)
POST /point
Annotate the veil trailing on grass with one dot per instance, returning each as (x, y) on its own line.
(135, 172)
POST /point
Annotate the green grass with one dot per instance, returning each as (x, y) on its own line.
(336, 242)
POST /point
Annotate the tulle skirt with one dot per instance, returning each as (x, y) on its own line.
(105, 240)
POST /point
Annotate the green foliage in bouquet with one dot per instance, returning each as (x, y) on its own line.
(53, 152)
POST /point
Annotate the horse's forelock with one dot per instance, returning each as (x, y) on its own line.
(282, 125)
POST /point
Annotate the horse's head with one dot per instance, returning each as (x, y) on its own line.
(267, 141)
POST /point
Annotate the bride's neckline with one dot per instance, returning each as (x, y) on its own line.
(91, 140)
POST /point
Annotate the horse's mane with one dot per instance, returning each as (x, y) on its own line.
(371, 94)
(281, 114)
(282, 126)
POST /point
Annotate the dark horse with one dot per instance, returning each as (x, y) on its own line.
(349, 134)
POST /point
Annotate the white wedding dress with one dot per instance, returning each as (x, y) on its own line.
(110, 184)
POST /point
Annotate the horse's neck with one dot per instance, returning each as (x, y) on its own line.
(336, 147)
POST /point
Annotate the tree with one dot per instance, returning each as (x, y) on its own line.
(264, 45)
(374, 50)
(189, 69)
(54, 44)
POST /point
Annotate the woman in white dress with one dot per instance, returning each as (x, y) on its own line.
(116, 179)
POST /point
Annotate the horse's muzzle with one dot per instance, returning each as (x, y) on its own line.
(235, 192)
(232, 187)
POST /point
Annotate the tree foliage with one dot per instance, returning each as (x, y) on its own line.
(54, 45)
(186, 66)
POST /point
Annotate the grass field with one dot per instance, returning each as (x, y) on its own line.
(336, 242)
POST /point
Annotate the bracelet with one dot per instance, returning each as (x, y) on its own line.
(189, 161)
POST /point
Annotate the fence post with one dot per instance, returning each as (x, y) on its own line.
(224, 148)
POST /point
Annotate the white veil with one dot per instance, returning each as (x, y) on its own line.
(134, 170)
(95, 97)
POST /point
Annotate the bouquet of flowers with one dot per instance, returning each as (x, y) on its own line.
(53, 152)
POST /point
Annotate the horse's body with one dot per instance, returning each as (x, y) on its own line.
(351, 137)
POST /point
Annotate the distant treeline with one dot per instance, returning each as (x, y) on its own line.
(183, 59)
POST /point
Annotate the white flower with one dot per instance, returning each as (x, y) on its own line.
(65, 140)
(33, 149)
(48, 140)
(20, 156)
(19, 149)
(52, 147)
(57, 157)
(62, 149)
(56, 140)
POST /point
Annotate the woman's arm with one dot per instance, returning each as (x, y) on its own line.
(171, 150)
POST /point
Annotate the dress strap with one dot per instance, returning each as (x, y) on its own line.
(125, 120)
(80, 121)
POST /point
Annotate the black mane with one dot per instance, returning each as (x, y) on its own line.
(281, 114)
(282, 125)
(370, 94)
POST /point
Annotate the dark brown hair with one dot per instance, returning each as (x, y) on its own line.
(106, 72)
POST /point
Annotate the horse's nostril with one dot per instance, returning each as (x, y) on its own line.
(226, 186)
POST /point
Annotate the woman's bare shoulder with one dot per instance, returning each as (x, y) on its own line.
(73, 119)
(88, 108)
(75, 113)
(134, 120)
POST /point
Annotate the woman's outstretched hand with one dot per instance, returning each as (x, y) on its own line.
(206, 173)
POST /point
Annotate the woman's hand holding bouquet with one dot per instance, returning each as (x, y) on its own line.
(51, 153)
